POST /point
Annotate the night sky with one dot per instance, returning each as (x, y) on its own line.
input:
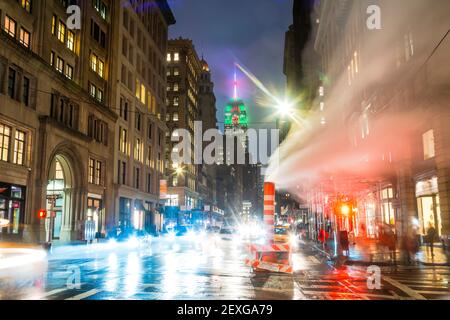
(250, 32)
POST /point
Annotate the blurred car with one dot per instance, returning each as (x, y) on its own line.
(281, 234)
(133, 236)
(182, 231)
(212, 229)
(227, 233)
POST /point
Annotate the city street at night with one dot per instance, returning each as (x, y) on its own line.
(217, 158)
(206, 268)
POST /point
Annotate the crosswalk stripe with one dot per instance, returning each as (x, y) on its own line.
(313, 259)
(49, 293)
(85, 295)
(435, 292)
(404, 288)
(362, 296)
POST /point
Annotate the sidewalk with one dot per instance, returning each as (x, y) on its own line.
(367, 252)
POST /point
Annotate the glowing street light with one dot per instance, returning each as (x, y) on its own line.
(285, 108)
(179, 171)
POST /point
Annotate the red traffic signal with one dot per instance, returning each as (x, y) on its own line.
(42, 214)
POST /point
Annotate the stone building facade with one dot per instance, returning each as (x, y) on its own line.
(60, 111)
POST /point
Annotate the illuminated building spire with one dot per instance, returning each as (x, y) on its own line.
(235, 96)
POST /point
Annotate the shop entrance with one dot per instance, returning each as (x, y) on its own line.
(429, 213)
(58, 196)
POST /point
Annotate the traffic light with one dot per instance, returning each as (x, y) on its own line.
(42, 214)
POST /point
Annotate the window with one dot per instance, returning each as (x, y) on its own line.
(12, 83)
(19, 148)
(98, 173)
(91, 170)
(175, 87)
(24, 37)
(92, 90)
(101, 68)
(138, 121)
(5, 137)
(94, 60)
(98, 34)
(69, 71)
(26, 4)
(10, 26)
(175, 181)
(150, 130)
(138, 150)
(137, 176)
(124, 172)
(100, 7)
(429, 151)
(97, 65)
(60, 64)
(175, 116)
(176, 101)
(176, 71)
(123, 143)
(26, 91)
(71, 40)
(176, 56)
(54, 25)
(123, 109)
(169, 57)
(61, 31)
(52, 58)
(95, 171)
(100, 95)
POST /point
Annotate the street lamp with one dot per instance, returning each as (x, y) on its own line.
(285, 108)
(179, 171)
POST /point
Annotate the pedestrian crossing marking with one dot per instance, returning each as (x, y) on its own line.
(85, 295)
(404, 288)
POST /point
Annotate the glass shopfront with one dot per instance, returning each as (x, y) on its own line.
(95, 211)
(387, 208)
(125, 213)
(427, 194)
(12, 208)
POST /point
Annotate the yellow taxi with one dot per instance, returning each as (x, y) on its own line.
(281, 234)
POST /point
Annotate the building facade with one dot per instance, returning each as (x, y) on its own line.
(139, 45)
(394, 111)
(206, 181)
(55, 128)
(184, 70)
(67, 91)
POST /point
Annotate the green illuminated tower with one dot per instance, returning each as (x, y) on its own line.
(236, 118)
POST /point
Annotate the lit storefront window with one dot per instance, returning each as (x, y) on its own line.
(428, 205)
(12, 205)
(387, 196)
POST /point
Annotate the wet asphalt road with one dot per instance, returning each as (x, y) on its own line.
(208, 268)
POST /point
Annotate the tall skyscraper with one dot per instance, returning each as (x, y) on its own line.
(184, 70)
